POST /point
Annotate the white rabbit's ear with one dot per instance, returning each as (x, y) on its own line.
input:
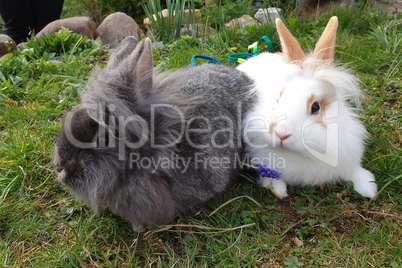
(123, 51)
(142, 64)
(290, 47)
(325, 47)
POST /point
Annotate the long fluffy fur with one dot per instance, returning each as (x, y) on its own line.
(128, 88)
(320, 148)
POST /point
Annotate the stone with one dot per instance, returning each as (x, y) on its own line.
(158, 44)
(267, 15)
(241, 22)
(21, 46)
(202, 30)
(80, 25)
(147, 21)
(197, 12)
(7, 45)
(392, 7)
(55, 62)
(116, 27)
(310, 9)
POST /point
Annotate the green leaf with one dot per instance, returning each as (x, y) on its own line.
(2, 77)
(293, 262)
(49, 104)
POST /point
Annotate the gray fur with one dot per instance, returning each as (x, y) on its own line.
(150, 196)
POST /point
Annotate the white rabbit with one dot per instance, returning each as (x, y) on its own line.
(301, 124)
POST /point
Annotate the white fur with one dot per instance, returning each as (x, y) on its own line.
(315, 152)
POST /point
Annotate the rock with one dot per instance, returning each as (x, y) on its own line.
(241, 22)
(148, 24)
(392, 7)
(81, 25)
(7, 45)
(202, 30)
(21, 46)
(267, 15)
(116, 27)
(298, 242)
(310, 9)
(147, 21)
(158, 45)
(197, 14)
(55, 62)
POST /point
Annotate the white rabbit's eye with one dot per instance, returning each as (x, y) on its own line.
(315, 108)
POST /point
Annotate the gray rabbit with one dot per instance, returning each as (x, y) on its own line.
(150, 147)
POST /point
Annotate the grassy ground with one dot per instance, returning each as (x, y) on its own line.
(42, 225)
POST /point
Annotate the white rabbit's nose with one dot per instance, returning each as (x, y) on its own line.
(282, 131)
(282, 138)
(282, 135)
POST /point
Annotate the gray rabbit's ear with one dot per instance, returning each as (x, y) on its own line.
(325, 47)
(142, 64)
(123, 51)
(290, 47)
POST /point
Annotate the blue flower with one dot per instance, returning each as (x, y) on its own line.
(267, 172)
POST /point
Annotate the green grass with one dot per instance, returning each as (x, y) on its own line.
(41, 225)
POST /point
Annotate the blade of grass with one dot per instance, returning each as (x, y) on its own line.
(232, 200)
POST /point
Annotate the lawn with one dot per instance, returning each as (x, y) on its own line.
(41, 225)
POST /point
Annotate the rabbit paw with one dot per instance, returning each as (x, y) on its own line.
(277, 187)
(364, 183)
(138, 228)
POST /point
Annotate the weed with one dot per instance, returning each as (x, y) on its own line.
(167, 29)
